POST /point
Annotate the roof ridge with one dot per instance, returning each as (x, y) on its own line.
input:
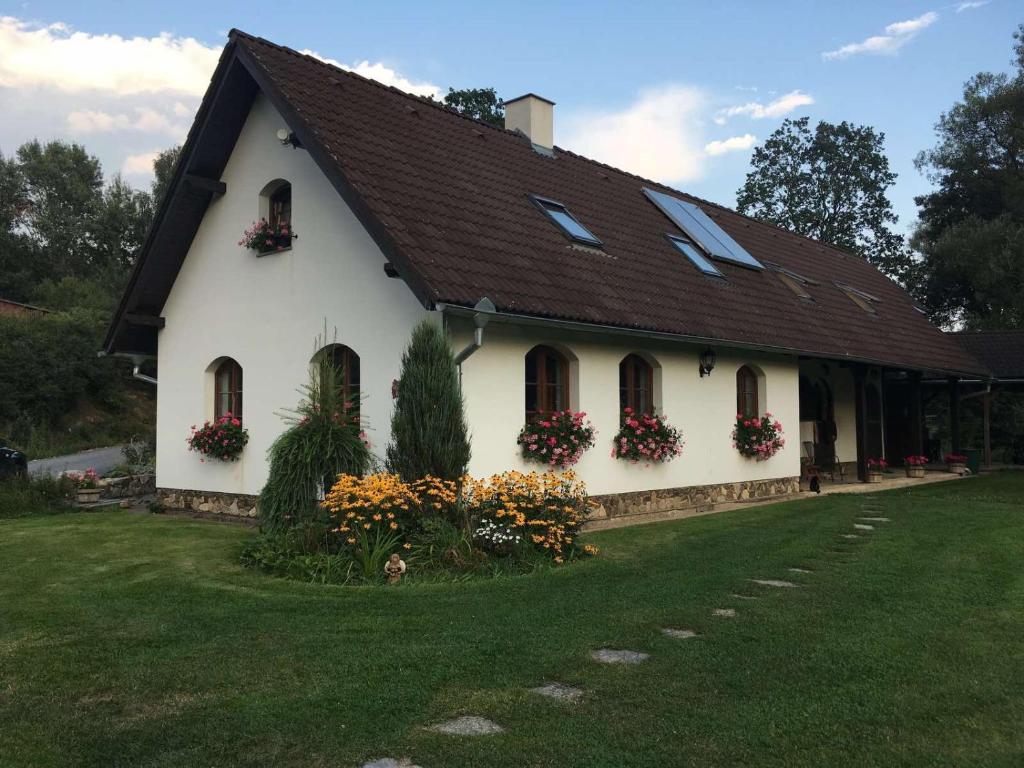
(425, 100)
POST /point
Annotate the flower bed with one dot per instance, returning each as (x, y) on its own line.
(644, 437)
(757, 438)
(221, 439)
(557, 440)
(264, 237)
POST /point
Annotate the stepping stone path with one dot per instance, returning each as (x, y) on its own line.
(875, 519)
(679, 634)
(726, 613)
(801, 570)
(774, 583)
(469, 725)
(559, 691)
(863, 527)
(851, 536)
(390, 762)
(745, 597)
(608, 656)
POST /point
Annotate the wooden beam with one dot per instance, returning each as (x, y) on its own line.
(916, 425)
(148, 320)
(954, 414)
(213, 186)
(860, 401)
(986, 415)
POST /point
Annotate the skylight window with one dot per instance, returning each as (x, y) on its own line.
(863, 300)
(795, 282)
(698, 259)
(568, 223)
(700, 228)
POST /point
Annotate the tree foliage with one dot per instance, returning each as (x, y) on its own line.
(428, 427)
(479, 103)
(829, 183)
(970, 231)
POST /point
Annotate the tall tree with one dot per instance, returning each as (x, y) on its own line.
(480, 103)
(829, 183)
(163, 171)
(970, 232)
(17, 273)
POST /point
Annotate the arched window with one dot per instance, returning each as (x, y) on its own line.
(746, 392)
(346, 364)
(547, 382)
(636, 384)
(276, 208)
(227, 392)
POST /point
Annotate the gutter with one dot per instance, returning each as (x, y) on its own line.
(615, 330)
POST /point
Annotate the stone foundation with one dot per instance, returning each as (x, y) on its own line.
(666, 503)
(127, 487)
(208, 502)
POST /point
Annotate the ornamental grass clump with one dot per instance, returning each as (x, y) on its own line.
(558, 439)
(757, 438)
(326, 438)
(646, 437)
(222, 439)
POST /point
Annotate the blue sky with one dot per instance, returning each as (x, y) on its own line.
(675, 90)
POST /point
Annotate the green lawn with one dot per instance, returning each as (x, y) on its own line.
(136, 640)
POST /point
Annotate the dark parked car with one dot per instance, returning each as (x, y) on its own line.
(13, 463)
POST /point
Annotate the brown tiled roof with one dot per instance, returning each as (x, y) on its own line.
(449, 199)
(1001, 351)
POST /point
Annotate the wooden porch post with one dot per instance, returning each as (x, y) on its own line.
(986, 404)
(861, 411)
(954, 414)
(916, 425)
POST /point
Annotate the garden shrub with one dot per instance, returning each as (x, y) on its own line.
(429, 437)
(34, 495)
(307, 552)
(325, 439)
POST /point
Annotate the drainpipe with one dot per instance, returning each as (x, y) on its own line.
(484, 309)
(137, 361)
(141, 376)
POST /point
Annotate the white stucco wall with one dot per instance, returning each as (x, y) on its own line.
(704, 408)
(265, 312)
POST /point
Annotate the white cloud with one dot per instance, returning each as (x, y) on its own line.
(140, 164)
(145, 119)
(758, 111)
(54, 56)
(732, 144)
(658, 136)
(382, 73)
(970, 5)
(896, 36)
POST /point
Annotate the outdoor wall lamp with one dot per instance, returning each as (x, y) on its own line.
(707, 362)
(288, 138)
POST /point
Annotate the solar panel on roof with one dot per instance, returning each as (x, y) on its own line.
(700, 227)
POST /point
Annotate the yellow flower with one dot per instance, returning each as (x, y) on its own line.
(407, 545)
(393, 526)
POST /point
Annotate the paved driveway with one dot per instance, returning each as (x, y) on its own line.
(100, 459)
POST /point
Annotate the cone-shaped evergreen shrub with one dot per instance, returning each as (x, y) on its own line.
(324, 440)
(428, 427)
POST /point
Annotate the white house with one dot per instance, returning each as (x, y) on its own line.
(561, 282)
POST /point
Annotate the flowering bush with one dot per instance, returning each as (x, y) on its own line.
(757, 438)
(643, 437)
(544, 511)
(878, 465)
(222, 439)
(955, 458)
(558, 440)
(263, 236)
(916, 461)
(86, 480)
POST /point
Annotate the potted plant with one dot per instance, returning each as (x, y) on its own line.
(87, 486)
(645, 437)
(876, 468)
(956, 463)
(264, 237)
(757, 438)
(221, 439)
(558, 439)
(914, 465)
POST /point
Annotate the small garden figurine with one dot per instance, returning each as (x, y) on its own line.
(394, 568)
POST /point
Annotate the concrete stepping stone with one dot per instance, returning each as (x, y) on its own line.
(863, 527)
(745, 597)
(609, 656)
(851, 536)
(678, 634)
(468, 725)
(559, 691)
(779, 583)
(801, 570)
(725, 613)
(875, 519)
(390, 762)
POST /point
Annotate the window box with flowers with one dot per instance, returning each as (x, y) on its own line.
(87, 485)
(877, 468)
(265, 237)
(914, 465)
(222, 439)
(646, 437)
(558, 439)
(956, 463)
(757, 438)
